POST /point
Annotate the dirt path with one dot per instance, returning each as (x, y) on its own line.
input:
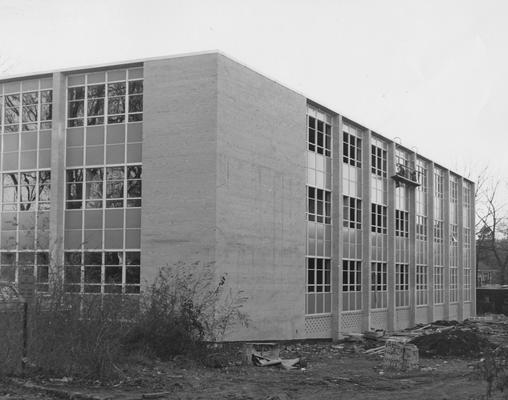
(331, 374)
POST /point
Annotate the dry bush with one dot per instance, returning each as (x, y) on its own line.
(184, 309)
(11, 340)
(70, 335)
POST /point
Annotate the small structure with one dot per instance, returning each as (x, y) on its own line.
(492, 300)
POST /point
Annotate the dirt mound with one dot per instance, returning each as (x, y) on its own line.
(452, 342)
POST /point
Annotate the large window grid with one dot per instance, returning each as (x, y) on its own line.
(378, 218)
(37, 264)
(379, 182)
(351, 285)
(25, 203)
(378, 158)
(379, 286)
(113, 271)
(105, 97)
(318, 205)
(26, 106)
(454, 285)
(319, 230)
(467, 247)
(422, 190)
(467, 284)
(438, 285)
(352, 213)
(103, 187)
(421, 285)
(318, 286)
(351, 146)
(401, 223)
(319, 131)
(401, 285)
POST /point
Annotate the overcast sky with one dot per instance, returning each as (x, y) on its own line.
(433, 73)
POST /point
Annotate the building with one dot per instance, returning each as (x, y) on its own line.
(327, 226)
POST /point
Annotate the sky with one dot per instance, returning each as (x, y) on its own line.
(433, 74)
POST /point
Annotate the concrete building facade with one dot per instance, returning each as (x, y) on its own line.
(326, 226)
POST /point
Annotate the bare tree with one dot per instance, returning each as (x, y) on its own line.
(491, 226)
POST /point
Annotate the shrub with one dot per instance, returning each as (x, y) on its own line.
(184, 308)
(74, 336)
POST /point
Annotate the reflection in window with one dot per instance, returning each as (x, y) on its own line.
(115, 100)
(83, 271)
(121, 183)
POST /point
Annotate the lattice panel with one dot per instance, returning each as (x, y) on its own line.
(379, 320)
(402, 318)
(467, 310)
(318, 327)
(351, 322)
(421, 315)
(438, 312)
(454, 312)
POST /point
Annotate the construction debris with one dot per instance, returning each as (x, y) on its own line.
(452, 342)
(400, 355)
(268, 354)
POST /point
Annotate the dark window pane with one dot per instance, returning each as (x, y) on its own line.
(77, 93)
(96, 90)
(135, 87)
(135, 103)
(116, 89)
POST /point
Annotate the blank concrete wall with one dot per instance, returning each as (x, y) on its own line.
(261, 194)
(179, 162)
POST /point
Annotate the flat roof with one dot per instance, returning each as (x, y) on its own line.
(139, 62)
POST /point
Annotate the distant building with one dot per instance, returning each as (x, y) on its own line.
(327, 226)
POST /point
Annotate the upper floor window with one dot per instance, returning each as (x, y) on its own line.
(352, 213)
(378, 218)
(319, 132)
(99, 98)
(27, 111)
(378, 161)
(319, 205)
(351, 149)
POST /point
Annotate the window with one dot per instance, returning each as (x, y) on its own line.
(379, 288)
(319, 205)
(401, 223)
(378, 161)
(378, 218)
(352, 150)
(318, 286)
(110, 187)
(438, 285)
(99, 98)
(421, 285)
(402, 285)
(352, 213)
(28, 110)
(454, 287)
(319, 133)
(351, 285)
(421, 227)
(102, 271)
(26, 191)
(467, 284)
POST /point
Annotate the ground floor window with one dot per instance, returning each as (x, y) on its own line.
(318, 298)
(467, 284)
(421, 285)
(378, 285)
(438, 285)
(454, 287)
(401, 285)
(351, 285)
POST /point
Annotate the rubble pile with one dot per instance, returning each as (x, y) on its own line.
(452, 342)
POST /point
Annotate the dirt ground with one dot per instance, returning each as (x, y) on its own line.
(333, 372)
